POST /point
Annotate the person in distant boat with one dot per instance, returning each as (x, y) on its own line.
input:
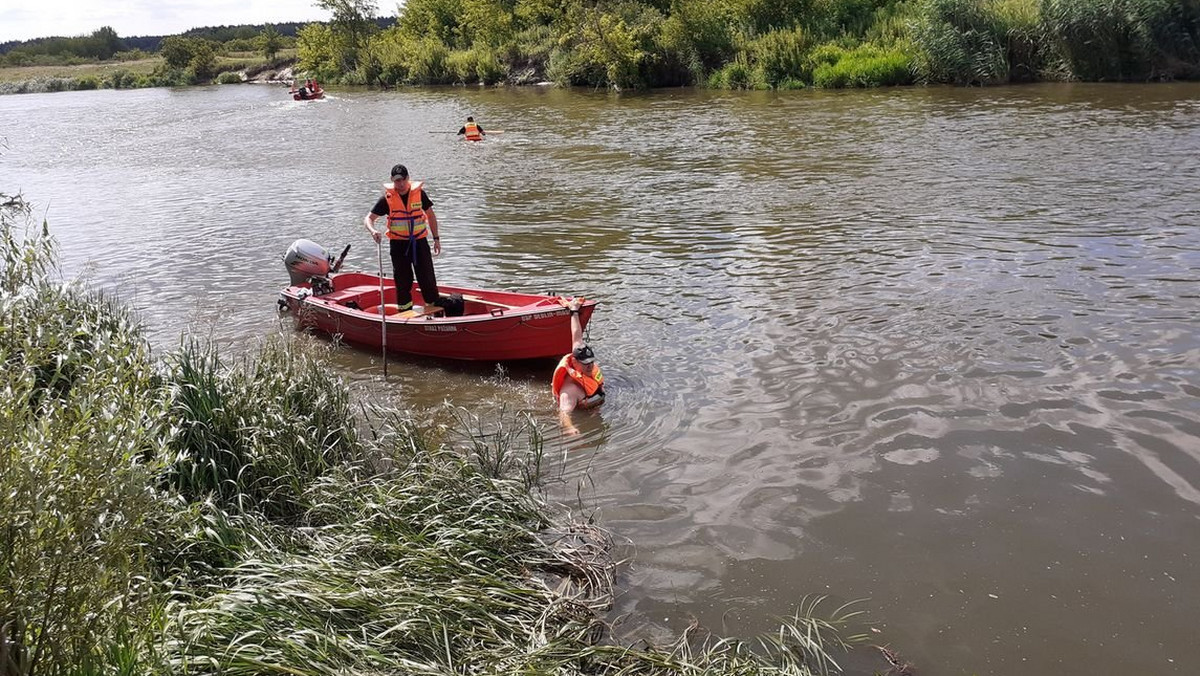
(577, 381)
(471, 130)
(411, 223)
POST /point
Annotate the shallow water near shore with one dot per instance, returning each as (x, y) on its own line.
(935, 348)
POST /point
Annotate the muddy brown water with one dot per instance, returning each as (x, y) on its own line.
(934, 348)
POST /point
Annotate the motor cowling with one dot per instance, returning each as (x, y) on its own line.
(306, 259)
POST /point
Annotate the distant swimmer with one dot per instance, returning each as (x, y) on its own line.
(471, 130)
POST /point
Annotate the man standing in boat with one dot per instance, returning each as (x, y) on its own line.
(471, 130)
(410, 224)
(577, 381)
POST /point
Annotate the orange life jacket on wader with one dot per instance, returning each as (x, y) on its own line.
(406, 221)
(472, 132)
(593, 385)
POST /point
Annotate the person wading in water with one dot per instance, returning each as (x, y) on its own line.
(577, 381)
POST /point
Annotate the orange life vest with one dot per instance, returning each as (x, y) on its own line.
(568, 368)
(405, 220)
(472, 132)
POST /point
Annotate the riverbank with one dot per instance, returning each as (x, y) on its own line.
(214, 516)
(140, 73)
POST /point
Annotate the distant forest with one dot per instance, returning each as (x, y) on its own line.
(104, 43)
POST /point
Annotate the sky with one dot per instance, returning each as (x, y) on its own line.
(28, 19)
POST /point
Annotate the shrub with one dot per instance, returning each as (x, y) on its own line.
(428, 62)
(257, 434)
(959, 42)
(1019, 22)
(1125, 39)
(779, 55)
(700, 34)
(78, 442)
(865, 66)
(87, 82)
(739, 74)
(229, 77)
(478, 64)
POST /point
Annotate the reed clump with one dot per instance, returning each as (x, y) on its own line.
(203, 515)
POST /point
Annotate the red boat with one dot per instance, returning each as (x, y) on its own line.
(309, 91)
(493, 326)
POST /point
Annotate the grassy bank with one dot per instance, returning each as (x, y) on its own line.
(147, 72)
(198, 514)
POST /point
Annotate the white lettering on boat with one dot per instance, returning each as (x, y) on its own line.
(440, 329)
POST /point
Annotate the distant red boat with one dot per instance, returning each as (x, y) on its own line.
(311, 90)
(493, 326)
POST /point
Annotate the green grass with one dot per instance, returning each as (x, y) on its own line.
(99, 70)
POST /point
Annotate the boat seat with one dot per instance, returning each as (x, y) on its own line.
(425, 311)
(351, 292)
(487, 301)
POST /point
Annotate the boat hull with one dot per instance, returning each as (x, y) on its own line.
(495, 326)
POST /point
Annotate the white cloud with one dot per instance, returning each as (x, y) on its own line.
(28, 19)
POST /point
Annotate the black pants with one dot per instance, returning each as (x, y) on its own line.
(404, 262)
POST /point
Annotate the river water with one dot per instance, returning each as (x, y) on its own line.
(934, 348)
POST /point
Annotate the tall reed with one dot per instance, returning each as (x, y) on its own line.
(79, 439)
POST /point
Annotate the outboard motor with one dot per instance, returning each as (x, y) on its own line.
(305, 259)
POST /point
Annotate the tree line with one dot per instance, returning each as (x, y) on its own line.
(105, 44)
(735, 44)
(754, 44)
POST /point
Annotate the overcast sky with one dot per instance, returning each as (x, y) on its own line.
(28, 19)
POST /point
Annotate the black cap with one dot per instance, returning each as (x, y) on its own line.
(584, 355)
(399, 171)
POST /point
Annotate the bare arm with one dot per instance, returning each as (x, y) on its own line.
(369, 224)
(432, 222)
(576, 325)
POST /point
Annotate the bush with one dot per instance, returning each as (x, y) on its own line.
(738, 74)
(1125, 39)
(1019, 21)
(229, 77)
(479, 64)
(428, 62)
(87, 82)
(959, 42)
(865, 66)
(779, 55)
(701, 35)
(257, 434)
(78, 448)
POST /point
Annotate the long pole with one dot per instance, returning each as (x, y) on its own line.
(382, 308)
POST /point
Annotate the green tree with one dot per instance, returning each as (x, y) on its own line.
(269, 42)
(318, 51)
(176, 51)
(104, 43)
(353, 22)
(203, 63)
(197, 55)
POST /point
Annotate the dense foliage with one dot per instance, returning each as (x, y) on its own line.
(760, 44)
(736, 44)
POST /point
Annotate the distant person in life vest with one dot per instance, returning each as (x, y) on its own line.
(577, 381)
(472, 131)
(411, 223)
